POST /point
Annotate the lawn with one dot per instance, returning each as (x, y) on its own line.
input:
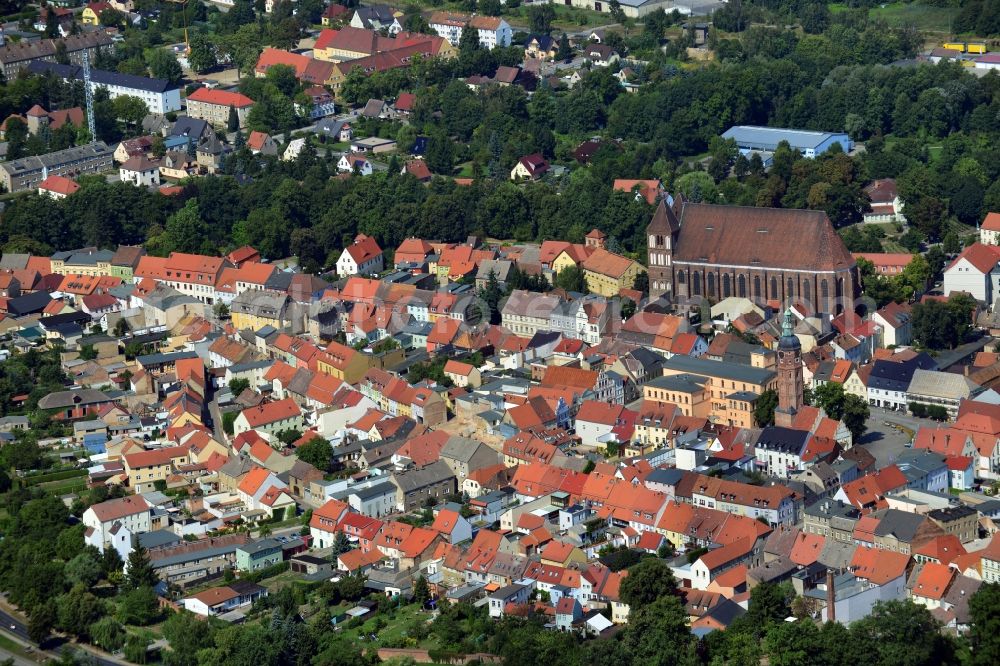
(15, 648)
(395, 628)
(924, 17)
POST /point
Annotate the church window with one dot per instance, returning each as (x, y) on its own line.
(725, 286)
(696, 284)
(741, 286)
(756, 286)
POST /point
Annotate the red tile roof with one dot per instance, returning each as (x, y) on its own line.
(59, 185)
(271, 412)
(220, 98)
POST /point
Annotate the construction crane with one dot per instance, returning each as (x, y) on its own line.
(88, 95)
(183, 4)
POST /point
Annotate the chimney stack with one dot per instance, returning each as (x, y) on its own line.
(831, 598)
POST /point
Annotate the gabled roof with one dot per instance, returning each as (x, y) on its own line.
(724, 235)
(271, 412)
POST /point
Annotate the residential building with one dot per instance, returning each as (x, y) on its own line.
(145, 468)
(159, 95)
(607, 273)
(140, 171)
(493, 31)
(415, 486)
(730, 390)
(259, 554)
(253, 310)
(886, 206)
(362, 257)
(15, 56)
(213, 106)
(27, 173)
(57, 187)
(975, 271)
(270, 418)
(989, 230)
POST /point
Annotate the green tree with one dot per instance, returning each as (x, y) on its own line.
(317, 452)
(984, 637)
(571, 278)
(647, 581)
(201, 55)
(233, 122)
(341, 544)
(565, 52)
(238, 384)
(763, 412)
(657, 634)
(163, 65)
(421, 591)
(140, 572)
(540, 18)
(42, 617)
(78, 610)
(793, 643)
(84, 570)
(108, 633)
(901, 632)
(139, 606)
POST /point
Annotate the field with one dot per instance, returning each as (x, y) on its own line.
(924, 17)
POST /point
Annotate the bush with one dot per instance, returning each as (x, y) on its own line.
(257, 576)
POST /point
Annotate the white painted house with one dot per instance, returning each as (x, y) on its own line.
(362, 257)
(112, 523)
(975, 272)
(140, 171)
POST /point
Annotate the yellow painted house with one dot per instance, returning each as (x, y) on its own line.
(608, 273)
(254, 309)
(343, 362)
(854, 385)
(91, 14)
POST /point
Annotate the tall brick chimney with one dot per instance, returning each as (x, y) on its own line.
(831, 598)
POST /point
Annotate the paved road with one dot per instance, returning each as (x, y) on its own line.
(16, 628)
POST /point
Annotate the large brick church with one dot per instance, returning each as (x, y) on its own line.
(772, 256)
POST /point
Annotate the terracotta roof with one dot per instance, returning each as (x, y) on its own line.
(649, 189)
(741, 235)
(878, 566)
(933, 580)
(252, 482)
(59, 185)
(271, 412)
(991, 222)
(607, 263)
(982, 257)
(119, 508)
(220, 97)
(364, 248)
(214, 596)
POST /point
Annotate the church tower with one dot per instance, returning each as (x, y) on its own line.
(661, 238)
(790, 383)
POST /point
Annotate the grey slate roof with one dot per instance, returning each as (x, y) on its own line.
(415, 479)
(721, 369)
